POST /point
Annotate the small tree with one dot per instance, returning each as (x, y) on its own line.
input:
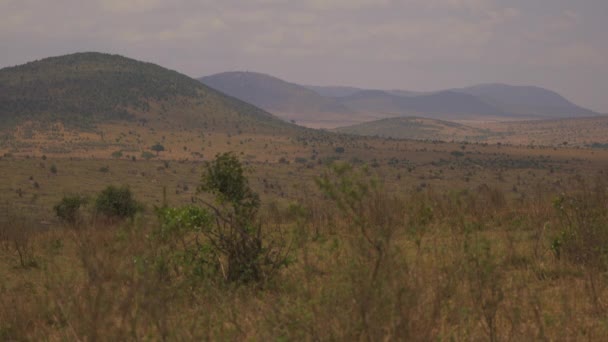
(157, 148)
(147, 155)
(116, 203)
(68, 209)
(237, 232)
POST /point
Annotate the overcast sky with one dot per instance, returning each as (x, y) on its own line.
(402, 44)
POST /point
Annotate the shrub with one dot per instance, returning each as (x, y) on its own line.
(17, 234)
(582, 217)
(116, 202)
(237, 233)
(177, 252)
(68, 209)
(147, 155)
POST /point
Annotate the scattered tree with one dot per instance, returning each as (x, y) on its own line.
(116, 203)
(157, 148)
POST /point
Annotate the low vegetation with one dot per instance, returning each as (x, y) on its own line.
(348, 260)
(133, 230)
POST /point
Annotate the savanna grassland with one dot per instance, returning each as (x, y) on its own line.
(194, 220)
(416, 241)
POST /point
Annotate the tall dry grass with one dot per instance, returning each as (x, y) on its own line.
(367, 263)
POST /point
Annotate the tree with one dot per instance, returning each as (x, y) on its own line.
(237, 232)
(116, 203)
(68, 209)
(157, 148)
(147, 155)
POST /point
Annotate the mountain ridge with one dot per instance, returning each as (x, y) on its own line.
(291, 100)
(481, 102)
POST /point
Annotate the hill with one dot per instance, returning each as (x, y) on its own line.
(580, 132)
(585, 131)
(337, 106)
(441, 105)
(334, 91)
(287, 100)
(527, 101)
(417, 128)
(85, 89)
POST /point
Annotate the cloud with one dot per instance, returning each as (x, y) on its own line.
(345, 4)
(131, 6)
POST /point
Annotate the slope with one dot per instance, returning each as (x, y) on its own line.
(84, 89)
(287, 100)
(442, 105)
(417, 128)
(527, 101)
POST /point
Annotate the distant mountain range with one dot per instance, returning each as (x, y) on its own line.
(287, 100)
(334, 106)
(527, 101)
(84, 89)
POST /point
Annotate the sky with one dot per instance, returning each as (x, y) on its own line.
(387, 44)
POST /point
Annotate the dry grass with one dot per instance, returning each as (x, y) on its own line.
(435, 265)
(446, 247)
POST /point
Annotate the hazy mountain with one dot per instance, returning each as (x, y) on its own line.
(334, 106)
(440, 105)
(86, 88)
(407, 93)
(527, 100)
(287, 100)
(342, 91)
(334, 91)
(416, 128)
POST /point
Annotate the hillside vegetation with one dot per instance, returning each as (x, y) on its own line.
(417, 128)
(87, 88)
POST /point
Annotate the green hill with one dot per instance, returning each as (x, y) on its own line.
(417, 128)
(83, 89)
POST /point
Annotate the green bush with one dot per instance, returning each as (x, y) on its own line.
(116, 203)
(147, 155)
(177, 253)
(236, 232)
(68, 209)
